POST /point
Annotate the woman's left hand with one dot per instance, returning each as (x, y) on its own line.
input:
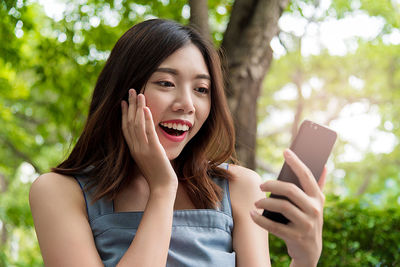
(303, 234)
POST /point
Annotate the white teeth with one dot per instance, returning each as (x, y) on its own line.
(179, 127)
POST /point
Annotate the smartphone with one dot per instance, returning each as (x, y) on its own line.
(313, 145)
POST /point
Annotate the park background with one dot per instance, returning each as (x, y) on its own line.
(336, 62)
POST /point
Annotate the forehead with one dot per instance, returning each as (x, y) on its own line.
(186, 60)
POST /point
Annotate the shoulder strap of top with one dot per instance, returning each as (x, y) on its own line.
(226, 199)
(97, 208)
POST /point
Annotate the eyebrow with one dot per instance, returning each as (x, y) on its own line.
(175, 72)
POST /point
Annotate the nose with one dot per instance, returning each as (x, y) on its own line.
(184, 101)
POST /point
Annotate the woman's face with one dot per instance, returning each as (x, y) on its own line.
(178, 95)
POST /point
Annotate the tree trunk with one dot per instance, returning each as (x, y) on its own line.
(252, 25)
(199, 16)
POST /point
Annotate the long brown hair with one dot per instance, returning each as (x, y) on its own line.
(101, 152)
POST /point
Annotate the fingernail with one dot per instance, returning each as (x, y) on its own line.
(263, 185)
(253, 213)
(287, 153)
(132, 92)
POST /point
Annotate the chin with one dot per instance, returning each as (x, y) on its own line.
(173, 151)
(173, 155)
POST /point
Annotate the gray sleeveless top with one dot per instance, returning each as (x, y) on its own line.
(200, 237)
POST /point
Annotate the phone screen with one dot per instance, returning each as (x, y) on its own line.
(313, 145)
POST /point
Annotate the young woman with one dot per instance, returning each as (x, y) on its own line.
(147, 183)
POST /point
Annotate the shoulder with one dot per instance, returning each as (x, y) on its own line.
(244, 187)
(53, 189)
(250, 242)
(60, 218)
(242, 174)
(244, 179)
(54, 184)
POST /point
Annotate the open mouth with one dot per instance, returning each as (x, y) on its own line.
(174, 129)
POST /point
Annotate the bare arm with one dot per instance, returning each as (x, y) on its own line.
(61, 223)
(59, 211)
(64, 233)
(250, 241)
(151, 242)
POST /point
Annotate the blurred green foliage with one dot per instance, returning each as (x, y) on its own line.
(328, 88)
(355, 234)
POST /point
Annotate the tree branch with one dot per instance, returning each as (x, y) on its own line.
(298, 81)
(3, 230)
(282, 129)
(361, 190)
(31, 120)
(199, 16)
(21, 155)
(4, 235)
(260, 163)
(3, 183)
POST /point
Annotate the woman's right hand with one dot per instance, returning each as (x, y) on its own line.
(144, 145)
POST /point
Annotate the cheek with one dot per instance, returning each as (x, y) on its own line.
(205, 111)
(155, 105)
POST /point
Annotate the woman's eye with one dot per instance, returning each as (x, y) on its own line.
(202, 90)
(165, 84)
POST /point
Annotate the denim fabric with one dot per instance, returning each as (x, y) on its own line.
(200, 237)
